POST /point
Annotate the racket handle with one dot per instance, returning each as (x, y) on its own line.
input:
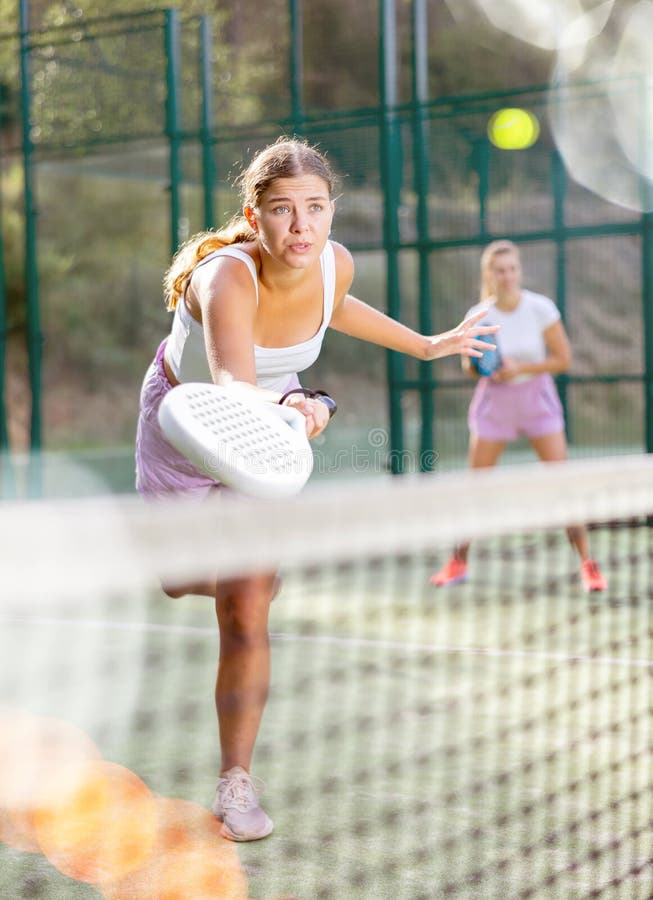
(292, 417)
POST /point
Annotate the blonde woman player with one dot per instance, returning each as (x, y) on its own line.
(520, 396)
(254, 299)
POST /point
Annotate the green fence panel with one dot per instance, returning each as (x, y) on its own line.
(132, 130)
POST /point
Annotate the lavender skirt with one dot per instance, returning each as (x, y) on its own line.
(160, 469)
(502, 411)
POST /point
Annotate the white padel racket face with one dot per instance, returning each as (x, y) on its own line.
(253, 446)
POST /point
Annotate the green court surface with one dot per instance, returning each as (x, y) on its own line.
(489, 740)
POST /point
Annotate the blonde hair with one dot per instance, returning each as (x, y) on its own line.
(285, 158)
(496, 248)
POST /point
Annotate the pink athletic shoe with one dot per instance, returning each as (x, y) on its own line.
(236, 803)
(591, 577)
(454, 572)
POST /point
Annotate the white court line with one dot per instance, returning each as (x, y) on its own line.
(339, 641)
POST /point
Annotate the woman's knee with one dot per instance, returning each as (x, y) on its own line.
(242, 607)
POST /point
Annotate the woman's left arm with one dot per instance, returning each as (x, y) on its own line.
(358, 319)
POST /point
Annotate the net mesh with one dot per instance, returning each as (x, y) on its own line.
(492, 739)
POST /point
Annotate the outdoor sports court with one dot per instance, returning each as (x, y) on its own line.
(491, 739)
(488, 740)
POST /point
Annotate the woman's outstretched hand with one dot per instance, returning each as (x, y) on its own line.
(462, 340)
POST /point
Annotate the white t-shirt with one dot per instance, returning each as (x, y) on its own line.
(521, 333)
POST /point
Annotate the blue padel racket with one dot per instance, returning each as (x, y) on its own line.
(490, 361)
(251, 445)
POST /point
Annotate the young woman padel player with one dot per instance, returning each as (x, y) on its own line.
(254, 299)
(520, 396)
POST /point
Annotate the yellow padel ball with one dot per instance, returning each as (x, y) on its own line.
(513, 129)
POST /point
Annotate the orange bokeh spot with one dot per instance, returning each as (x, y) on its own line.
(96, 822)
(33, 749)
(17, 830)
(189, 859)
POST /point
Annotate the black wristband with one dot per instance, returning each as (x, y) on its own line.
(328, 401)
(299, 390)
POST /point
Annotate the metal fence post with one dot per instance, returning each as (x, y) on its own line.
(208, 164)
(421, 164)
(7, 485)
(32, 299)
(647, 313)
(481, 160)
(559, 189)
(391, 187)
(4, 437)
(171, 40)
(297, 66)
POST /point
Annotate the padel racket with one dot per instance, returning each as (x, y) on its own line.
(490, 361)
(254, 446)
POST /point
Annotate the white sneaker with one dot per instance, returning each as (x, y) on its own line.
(236, 803)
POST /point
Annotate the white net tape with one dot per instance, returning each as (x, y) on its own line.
(67, 548)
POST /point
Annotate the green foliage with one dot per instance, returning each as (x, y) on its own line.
(53, 266)
(103, 310)
(103, 198)
(9, 16)
(12, 245)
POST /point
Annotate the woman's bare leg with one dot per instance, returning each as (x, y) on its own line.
(243, 679)
(483, 454)
(553, 448)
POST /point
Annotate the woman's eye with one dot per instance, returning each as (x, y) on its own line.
(280, 209)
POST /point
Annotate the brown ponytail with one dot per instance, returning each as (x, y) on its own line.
(238, 231)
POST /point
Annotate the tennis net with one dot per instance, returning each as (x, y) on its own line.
(491, 739)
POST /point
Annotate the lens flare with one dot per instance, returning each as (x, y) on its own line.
(547, 24)
(600, 113)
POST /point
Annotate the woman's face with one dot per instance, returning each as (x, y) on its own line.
(293, 219)
(505, 273)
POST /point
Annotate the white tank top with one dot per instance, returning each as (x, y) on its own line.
(185, 350)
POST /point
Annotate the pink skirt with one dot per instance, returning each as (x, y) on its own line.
(160, 469)
(501, 411)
